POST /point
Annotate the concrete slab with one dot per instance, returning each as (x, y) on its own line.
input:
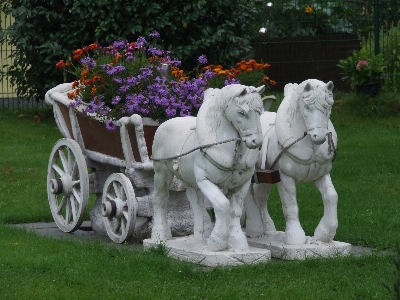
(194, 251)
(275, 242)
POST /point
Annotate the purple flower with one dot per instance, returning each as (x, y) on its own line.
(155, 51)
(88, 62)
(116, 100)
(140, 42)
(155, 35)
(202, 59)
(110, 125)
(119, 44)
(113, 70)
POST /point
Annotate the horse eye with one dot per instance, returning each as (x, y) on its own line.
(242, 113)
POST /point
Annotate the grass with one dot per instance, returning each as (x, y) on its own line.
(365, 174)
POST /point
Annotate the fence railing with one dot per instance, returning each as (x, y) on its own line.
(8, 94)
(306, 39)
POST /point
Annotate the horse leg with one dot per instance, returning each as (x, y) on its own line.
(162, 180)
(258, 220)
(237, 239)
(294, 233)
(202, 225)
(326, 229)
(218, 239)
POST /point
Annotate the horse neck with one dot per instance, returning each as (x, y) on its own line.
(289, 119)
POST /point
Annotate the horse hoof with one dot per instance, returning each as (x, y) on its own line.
(215, 245)
(238, 242)
(295, 238)
(158, 236)
(323, 236)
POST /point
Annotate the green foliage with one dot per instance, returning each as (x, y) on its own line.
(389, 41)
(46, 31)
(394, 289)
(304, 18)
(362, 67)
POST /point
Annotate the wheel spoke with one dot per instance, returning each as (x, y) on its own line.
(117, 224)
(74, 170)
(111, 197)
(58, 170)
(123, 194)
(117, 189)
(68, 212)
(76, 183)
(64, 160)
(73, 207)
(62, 204)
(76, 195)
(71, 160)
(123, 225)
(125, 214)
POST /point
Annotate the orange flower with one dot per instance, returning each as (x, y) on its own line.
(72, 95)
(75, 84)
(60, 64)
(94, 89)
(78, 54)
(67, 64)
(93, 46)
(266, 66)
(265, 79)
(84, 73)
(272, 82)
(308, 9)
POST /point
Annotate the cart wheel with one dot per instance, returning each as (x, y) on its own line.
(119, 207)
(67, 185)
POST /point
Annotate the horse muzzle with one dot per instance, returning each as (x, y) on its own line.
(252, 138)
(318, 135)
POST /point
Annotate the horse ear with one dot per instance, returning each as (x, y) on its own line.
(260, 89)
(329, 85)
(233, 90)
(308, 87)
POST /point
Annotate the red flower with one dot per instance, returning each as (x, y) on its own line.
(60, 64)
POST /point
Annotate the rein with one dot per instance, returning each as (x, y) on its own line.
(197, 148)
(287, 147)
(331, 148)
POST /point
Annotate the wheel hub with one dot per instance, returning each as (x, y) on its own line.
(61, 185)
(112, 208)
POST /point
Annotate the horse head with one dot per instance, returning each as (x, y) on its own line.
(240, 105)
(315, 106)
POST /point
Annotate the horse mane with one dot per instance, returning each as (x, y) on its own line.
(215, 102)
(306, 91)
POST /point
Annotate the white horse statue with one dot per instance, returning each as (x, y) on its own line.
(300, 142)
(227, 135)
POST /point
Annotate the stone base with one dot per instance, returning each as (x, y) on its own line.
(275, 242)
(194, 251)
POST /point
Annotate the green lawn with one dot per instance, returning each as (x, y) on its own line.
(366, 176)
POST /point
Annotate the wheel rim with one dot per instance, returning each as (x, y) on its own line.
(67, 185)
(119, 207)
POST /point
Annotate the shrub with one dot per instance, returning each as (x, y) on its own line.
(45, 31)
(389, 40)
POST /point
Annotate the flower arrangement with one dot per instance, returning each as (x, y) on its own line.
(362, 67)
(129, 78)
(245, 72)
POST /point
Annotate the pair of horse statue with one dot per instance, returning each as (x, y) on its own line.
(215, 154)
